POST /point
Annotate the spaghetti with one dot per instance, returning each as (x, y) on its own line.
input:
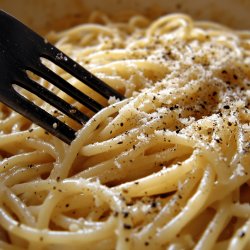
(166, 168)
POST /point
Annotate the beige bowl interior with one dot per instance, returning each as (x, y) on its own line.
(44, 15)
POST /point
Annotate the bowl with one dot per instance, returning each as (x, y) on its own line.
(45, 15)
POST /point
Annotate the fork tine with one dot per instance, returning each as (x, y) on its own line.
(34, 113)
(53, 99)
(62, 60)
(63, 85)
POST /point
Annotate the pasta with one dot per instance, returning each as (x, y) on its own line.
(166, 168)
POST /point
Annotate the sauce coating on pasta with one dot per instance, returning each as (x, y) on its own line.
(167, 168)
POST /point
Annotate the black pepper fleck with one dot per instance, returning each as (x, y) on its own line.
(242, 234)
(127, 226)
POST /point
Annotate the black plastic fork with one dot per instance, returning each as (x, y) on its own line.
(21, 50)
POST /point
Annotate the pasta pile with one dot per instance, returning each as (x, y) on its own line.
(166, 168)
